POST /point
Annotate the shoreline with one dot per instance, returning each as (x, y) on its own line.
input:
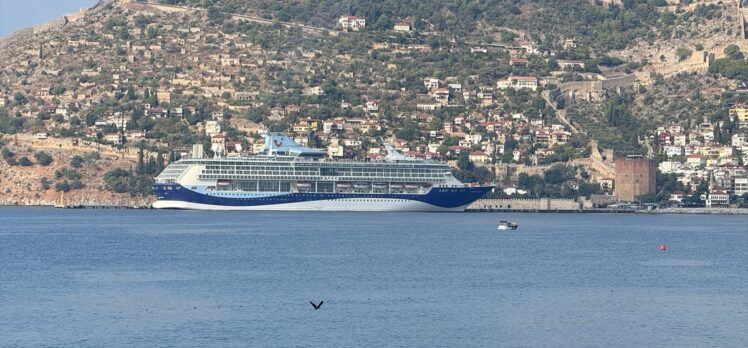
(665, 211)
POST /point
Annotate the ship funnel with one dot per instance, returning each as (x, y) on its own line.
(392, 154)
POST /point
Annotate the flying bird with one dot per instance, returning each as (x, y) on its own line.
(316, 306)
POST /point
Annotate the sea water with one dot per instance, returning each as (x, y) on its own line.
(110, 278)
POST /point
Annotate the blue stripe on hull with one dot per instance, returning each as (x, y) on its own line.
(438, 196)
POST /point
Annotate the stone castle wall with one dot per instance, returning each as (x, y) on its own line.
(29, 32)
(596, 90)
(526, 204)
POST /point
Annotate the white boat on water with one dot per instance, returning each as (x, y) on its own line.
(506, 225)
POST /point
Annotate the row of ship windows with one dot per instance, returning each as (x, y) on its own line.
(378, 175)
(337, 165)
(327, 171)
(336, 199)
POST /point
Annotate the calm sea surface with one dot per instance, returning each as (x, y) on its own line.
(105, 278)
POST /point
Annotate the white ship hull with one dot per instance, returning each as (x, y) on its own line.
(353, 204)
(350, 204)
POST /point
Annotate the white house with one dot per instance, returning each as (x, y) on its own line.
(353, 23)
(402, 27)
(740, 186)
(372, 106)
(431, 83)
(212, 127)
(114, 138)
(718, 198)
(518, 82)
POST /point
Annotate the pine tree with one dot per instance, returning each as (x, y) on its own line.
(726, 132)
(131, 93)
(717, 134)
(140, 166)
(132, 185)
(150, 168)
(159, 162)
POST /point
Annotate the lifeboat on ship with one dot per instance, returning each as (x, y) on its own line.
(361, 185)
(303, 186)
(223, 183)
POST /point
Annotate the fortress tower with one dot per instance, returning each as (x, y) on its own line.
(635, 176)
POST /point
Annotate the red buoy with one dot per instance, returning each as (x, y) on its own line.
(663, 247)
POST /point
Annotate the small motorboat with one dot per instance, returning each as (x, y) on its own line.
(506, 225)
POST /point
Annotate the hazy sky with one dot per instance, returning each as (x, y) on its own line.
(16, 14)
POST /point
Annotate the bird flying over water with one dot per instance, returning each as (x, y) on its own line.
(316, 306)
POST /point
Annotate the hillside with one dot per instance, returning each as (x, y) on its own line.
(497, 87)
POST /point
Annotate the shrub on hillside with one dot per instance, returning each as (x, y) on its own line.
(25, 162)
(77, 162)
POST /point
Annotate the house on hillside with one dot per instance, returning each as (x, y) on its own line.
(114, 138)
(135, 134)
(431, 83)
(441, 95)
(518, 82)
(403, 27)
(718, 198)
(372, 106)
(570, 64)
(352, 23)
(519, 62)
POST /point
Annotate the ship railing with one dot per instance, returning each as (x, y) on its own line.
(317, 178)
(231, 161)
(343, 175)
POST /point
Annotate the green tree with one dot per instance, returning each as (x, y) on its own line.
(463, 161)
(77, 161)
(20, 99)
(46, 184)
(25, 162)
(648, 198)
(554, 176)
(140, 169)
(63, 186)
(142, 21)
(131, 95)
(43, 158)
(682, 53)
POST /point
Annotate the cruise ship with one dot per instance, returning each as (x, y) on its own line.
(288, 176)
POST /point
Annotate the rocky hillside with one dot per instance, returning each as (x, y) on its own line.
(494, 86)
(74, 168)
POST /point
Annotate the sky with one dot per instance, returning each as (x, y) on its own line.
(17, 14)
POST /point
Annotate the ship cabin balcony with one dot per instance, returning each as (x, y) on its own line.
(304, 186)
